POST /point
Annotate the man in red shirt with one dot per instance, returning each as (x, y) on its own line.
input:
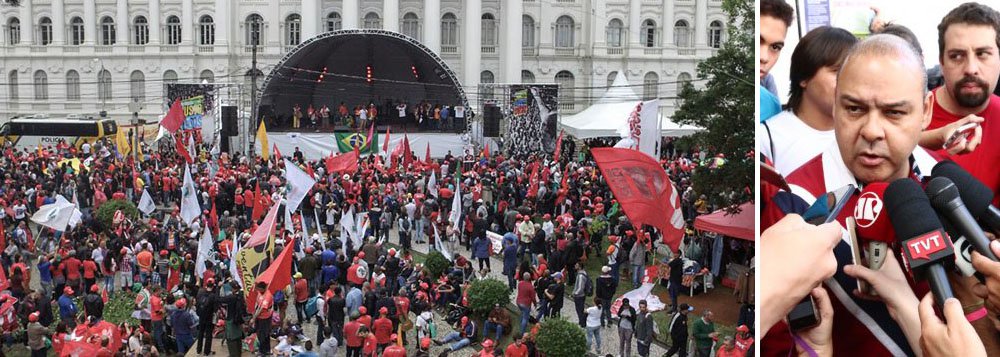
(89, 272)
(363, 318)
(352, 339)
(970, 65)
(72, 268)
(382, 327)
(526, 297)
(262, 316)
(394, 350)
(145, 261)
(301, 296)
(518, 348)
(158, 313)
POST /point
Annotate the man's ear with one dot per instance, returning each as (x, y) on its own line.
(928, 110)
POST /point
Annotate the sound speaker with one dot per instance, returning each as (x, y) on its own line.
(229, 124)
(491, 121)
(224, 145)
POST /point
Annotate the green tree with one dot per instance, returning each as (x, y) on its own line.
(484, 294)
(106, 213)
(724, 107)
(560, 338)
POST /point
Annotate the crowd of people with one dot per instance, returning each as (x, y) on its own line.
(422, 116)
(554, 216)
(864, 112)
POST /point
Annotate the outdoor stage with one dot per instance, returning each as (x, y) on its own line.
(318, 145)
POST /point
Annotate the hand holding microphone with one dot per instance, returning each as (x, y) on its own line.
(953, 337)
(874, 231)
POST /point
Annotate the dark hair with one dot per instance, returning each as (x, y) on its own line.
(778, 9)
(904, 33)
(969, 13)
(822, 47)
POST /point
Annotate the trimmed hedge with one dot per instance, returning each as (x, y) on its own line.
(436, 264)
(484, 294)
(106, 213)
(560, 338)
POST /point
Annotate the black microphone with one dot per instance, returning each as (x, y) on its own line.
(945, 198)
(927, 250)
(974, 193)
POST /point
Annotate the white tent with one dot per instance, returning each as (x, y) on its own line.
(610, 114)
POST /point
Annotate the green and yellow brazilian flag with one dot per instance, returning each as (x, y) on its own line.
(347, 141)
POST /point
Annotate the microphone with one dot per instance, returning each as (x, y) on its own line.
(974, 193)
(944, 196)
(927, 250)
(874, 228)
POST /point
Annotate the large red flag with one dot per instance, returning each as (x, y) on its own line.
(385, 144)
(182, 150)
(555, 155)
(277, 154)
(407, 152)
(343, 163)
(643, 190)
(427, 157)
(278, 274)
(486, 151)
(213, 217)
(174, 118)
(369, 139)
(533, 181)
(563, 186)
(258, 204)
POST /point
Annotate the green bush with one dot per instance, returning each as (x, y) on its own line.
(560, 338)
(436, 264)
(484, 294)
(106, 213)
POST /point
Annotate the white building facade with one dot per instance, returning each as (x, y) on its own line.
(61, 57)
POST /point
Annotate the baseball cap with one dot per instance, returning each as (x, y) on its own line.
(686, 307)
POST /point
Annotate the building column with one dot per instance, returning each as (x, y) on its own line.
(512, 51)
(351, 14)
(154, 22)
(272, 26)
(472, 48)
(432, 25)
(124, 26)
(187, 21)
(222, 22)
(27, 24)
(310, 19)
(58, 22)
(634, 23)
(390, 15)
(89, 22)
(701, 23)
(668, 23)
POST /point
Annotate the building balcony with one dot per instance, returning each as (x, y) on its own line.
(39, 48)
(169, 48)
(136, 48)
(565, 51)
(206, 48)
(686, 51)
(73, 106)
(40, 106)
(71, 48)
(615, 51)
(103, 48)
(449, 49)
(652, 51)
(529, 51)
(489, 49)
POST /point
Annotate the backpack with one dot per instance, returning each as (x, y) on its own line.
(620, 255)
(588, 286)
(279, 297)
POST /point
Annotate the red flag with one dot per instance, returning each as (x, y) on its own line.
(407, 152)
(277, 154)
(533, 181)
(278, 274)
(368, 139)
(104, 295)
(182, 149)
(343, 163)
(555, 155)
(174, 117)
(72, 348)
(258, 204)
(643, 190)
(427, 158)
(486, 151)
(309, 170)
(213, 218)
(3, 237)
(385, 144)
(563, 186)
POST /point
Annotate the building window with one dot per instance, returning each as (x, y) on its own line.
(527, 77)
(14, 31)
(489, 29)
(564, 32)
(72, 85)
(41, 85)
(715, 34)
(486, 77)
(140, 30)
(206, 29)
(527, 31)
(173, 30)
(45, 31)
(254, 25)
(565, 81)
(449, 30)
(615, 30)
(104, 86)
(76, 28)
(411, 25)
(372, 21)
(170, 77)
(12, 85)
(107, 31)
(682, 79)
(682, 34)
(333, 22)
(293, 30)
(207, 77)
(648, 33)
(650, 86)
(137, 86)
(611, 78)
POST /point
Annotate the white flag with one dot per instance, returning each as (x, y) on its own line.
(440, 245)
(456, 207)
(233, 270)
(190, 209)
(146, 204)
(432, 184)
(347, 228)
(362, 229)
(204, 252)
(299, 184)
(55, 215)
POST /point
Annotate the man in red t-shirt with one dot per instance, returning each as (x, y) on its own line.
(158, 313)
(526, 297)
(89, 272)
(970, 76)
(518, 348)
(72, 268)
(262, 316)
(382, 328)
(394, 350)
(301, 296)
(351, 338)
